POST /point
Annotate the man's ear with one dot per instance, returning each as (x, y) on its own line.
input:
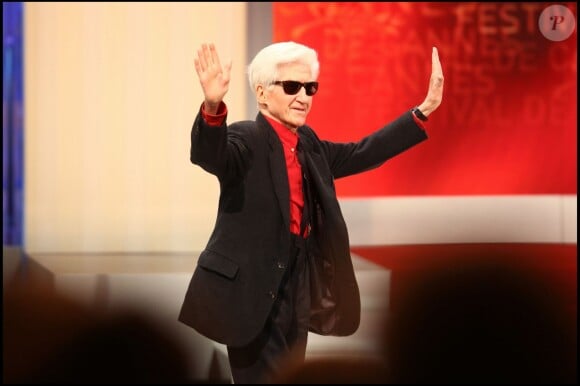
(261, 94)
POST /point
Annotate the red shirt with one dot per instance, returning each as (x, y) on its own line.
(215, 120)
(419, 122)
(289, 141)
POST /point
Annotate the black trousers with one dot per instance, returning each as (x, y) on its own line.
(286, 331)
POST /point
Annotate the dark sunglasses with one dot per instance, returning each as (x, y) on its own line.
(291, 87)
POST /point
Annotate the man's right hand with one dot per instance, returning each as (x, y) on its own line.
(213, 78)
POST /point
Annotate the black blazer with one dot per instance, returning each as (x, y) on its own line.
(239, 272)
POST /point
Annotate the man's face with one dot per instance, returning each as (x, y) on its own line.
(290, 110)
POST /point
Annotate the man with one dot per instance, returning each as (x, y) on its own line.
(277, 264)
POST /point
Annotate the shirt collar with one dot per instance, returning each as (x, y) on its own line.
(287, 136)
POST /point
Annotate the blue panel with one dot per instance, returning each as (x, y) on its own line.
(12, 125)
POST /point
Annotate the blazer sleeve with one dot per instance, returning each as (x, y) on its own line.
(220, 150)
(373, 150)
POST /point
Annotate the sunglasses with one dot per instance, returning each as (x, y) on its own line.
(291, 87)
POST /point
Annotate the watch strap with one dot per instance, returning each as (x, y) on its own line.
(419, 114)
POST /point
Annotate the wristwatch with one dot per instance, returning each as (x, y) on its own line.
(415, 110)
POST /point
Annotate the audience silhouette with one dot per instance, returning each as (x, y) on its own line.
(489, 319)
(50, 338)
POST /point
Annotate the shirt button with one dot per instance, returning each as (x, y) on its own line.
(292, 149)
(281, 265)
(272, 294)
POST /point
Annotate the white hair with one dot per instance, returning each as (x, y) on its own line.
(264, 67)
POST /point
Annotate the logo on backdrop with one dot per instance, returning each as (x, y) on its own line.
(557, 23)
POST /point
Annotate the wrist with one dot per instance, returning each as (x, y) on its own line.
(427, 107)
(211, 107)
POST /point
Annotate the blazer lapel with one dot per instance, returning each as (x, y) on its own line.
(278, 171)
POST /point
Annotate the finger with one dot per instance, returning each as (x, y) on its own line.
(435, 63)
(201, 59)
(214, 55)
(436, 72)
(207, 54)
(197, 67)
(203, 56)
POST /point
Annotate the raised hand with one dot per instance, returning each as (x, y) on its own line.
(435, 91)
(214, 78)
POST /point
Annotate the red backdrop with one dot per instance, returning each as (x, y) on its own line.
(508, 120)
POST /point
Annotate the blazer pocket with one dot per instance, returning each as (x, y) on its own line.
(218, 263)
